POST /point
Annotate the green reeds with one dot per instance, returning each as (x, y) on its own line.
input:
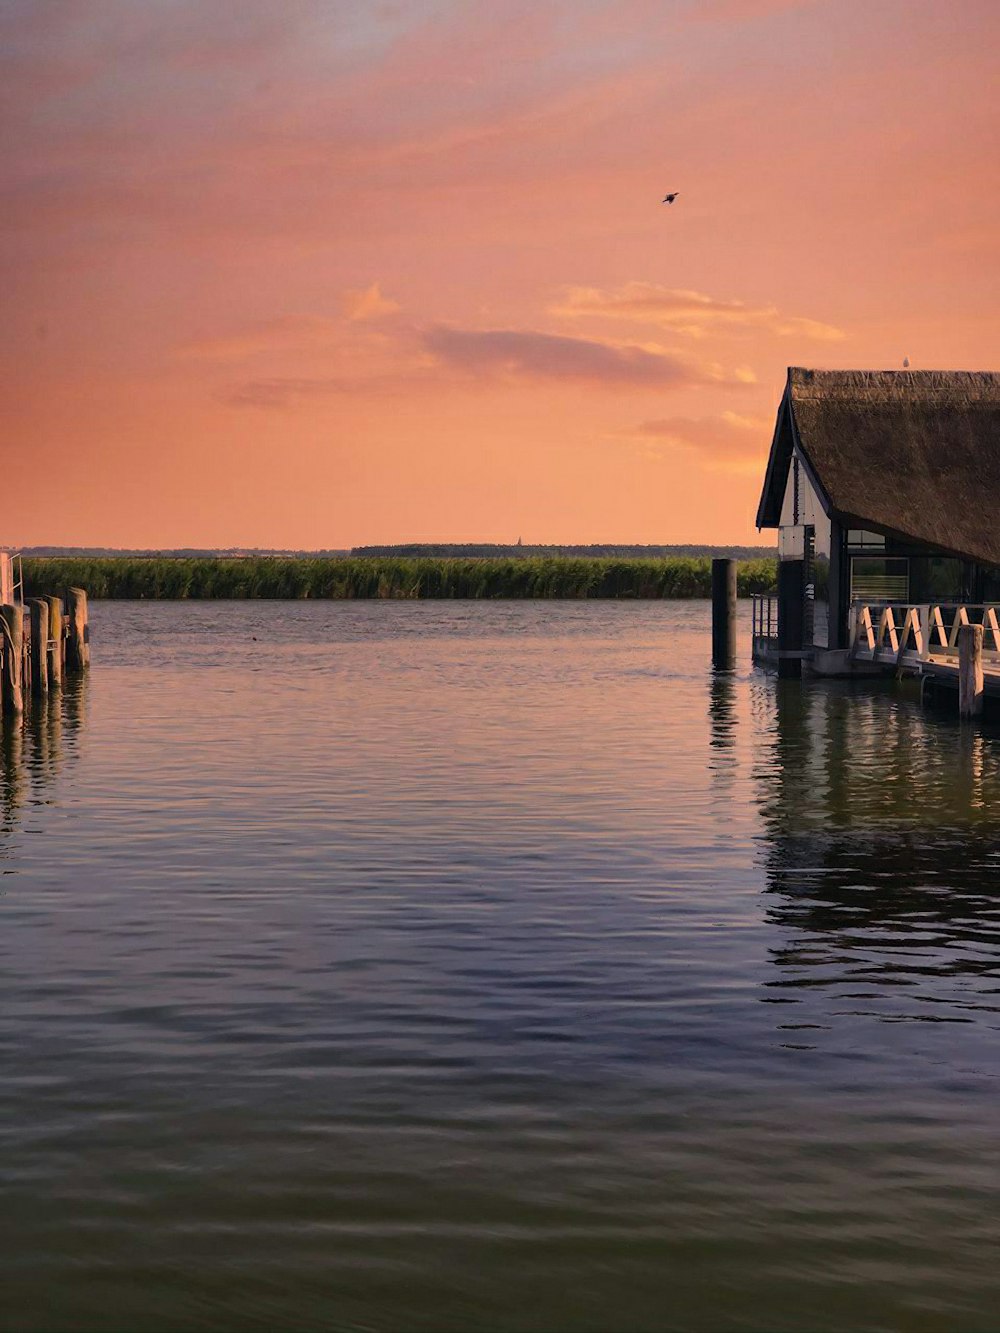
(386, 577)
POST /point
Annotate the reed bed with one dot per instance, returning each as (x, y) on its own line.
(387, 577)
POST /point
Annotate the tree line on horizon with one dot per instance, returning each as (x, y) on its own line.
(442, 550)
(389, 577)
(487, 550)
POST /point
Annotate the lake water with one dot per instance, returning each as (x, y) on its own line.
(474, 966)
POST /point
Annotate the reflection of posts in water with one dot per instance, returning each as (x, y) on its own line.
(31, 749)
(722, 711)
(722, 722)
(75, 702)
(971, 767)
(43, 741)
(787, 770)
(11, 778)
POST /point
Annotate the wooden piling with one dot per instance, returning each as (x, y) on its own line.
(791, 619)
(78, 645)
(970, 671)
(57, 642)
(39, 611)
(12, 633)
(724, 614)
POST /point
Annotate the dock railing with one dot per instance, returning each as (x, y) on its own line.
(764, 616)
(906, 634)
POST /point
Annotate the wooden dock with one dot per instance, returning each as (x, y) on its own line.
(955, 646)
(41, 639)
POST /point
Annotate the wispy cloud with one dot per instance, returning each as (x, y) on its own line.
(368, 303)
(548, 356)
(279, 393)
(730, 442)
(283, 334)
(740, 11)
(692, 313)
(443, 355)
(300, 334)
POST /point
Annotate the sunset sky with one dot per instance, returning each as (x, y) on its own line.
(316, 273)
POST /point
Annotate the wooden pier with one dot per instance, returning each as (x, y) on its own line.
(954, 646)
(40, 639)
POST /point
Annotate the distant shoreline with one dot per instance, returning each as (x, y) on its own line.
(387, 577)
(415, 550)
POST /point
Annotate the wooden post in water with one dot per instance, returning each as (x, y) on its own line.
(724, 614)
(791, 626)
(57, 642)
(970, 671)
(12, 633)
(39, 645)
(78, 647)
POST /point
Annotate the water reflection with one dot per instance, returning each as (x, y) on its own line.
(722, 710)
(34, 750)
(880, 852)
(412, 980)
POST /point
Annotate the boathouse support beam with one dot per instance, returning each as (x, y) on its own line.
(791, 618)
(838, 591)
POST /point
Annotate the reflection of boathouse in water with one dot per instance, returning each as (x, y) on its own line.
(884, 487)
(877, 847)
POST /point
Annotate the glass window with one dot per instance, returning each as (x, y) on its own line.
(879, 580)
(858, 537)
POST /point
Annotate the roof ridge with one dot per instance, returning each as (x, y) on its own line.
(915, 385)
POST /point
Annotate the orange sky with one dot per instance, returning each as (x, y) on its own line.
(315, 273)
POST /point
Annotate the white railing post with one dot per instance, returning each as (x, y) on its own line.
(924, 632)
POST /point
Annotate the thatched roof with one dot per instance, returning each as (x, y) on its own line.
(912, 453)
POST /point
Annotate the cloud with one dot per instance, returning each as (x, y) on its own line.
(548, 356)
(730, 442)
(279, 393)
(284, 333)
(692, 313)
(367, 304)
(415, 358)
(299, 334)
(740, 11)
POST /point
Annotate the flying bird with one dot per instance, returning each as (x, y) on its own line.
(906, 363)
(669, 198)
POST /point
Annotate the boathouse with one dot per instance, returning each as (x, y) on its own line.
(884, 487)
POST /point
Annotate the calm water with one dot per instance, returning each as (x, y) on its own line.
(489, 966)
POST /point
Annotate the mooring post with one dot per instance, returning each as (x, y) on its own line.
(12, 632)
(724, 614)
(970, 671)
(57, 649)
(78, 648)
(39, 645)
